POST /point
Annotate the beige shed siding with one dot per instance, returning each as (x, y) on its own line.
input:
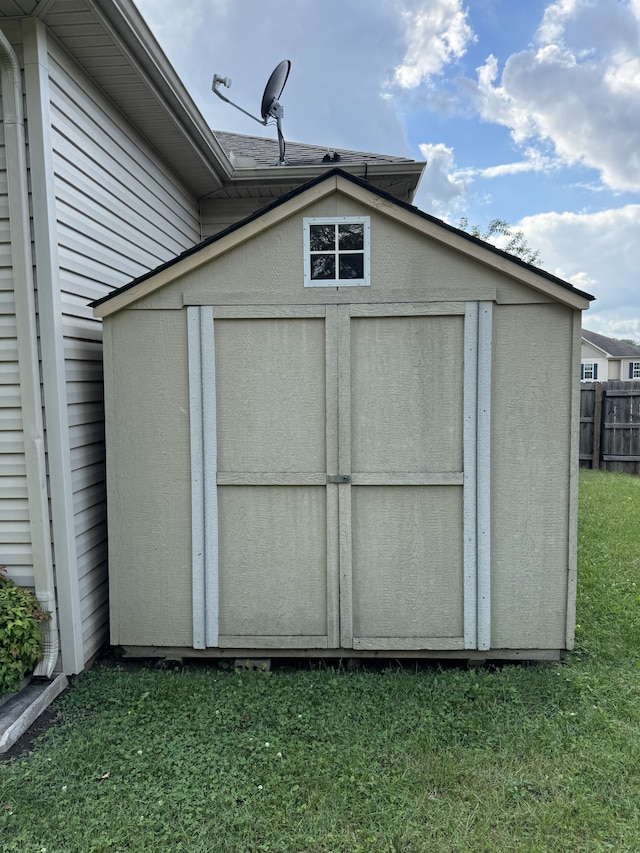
(530, 476)
(271, 266)
(532, 378)
(119, 213)
(149, 514)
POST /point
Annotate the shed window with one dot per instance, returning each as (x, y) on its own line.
(336, 251)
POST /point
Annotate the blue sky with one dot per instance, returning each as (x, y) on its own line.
(525, 110)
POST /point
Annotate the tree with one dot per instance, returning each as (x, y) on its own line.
(517, 244)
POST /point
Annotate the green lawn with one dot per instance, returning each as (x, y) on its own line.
(523, 758)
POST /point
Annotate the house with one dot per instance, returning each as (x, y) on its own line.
(342, 457)
(605, 358)
(107, 170)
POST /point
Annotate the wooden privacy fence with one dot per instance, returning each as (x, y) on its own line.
(610, 426)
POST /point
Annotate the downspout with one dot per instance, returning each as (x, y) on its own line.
(24, 295)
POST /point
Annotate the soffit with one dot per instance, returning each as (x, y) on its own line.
(111, 42)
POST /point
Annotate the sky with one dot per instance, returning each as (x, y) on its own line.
(525, 110)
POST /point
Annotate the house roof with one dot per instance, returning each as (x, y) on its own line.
(611, 347)
(321, 186)
(252, 151)
(256, 172)
(110, 40)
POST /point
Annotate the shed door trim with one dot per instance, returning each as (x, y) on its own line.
(204, 464)
(485, 339)
(475, 476)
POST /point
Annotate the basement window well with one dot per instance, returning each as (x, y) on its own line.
(336, 251)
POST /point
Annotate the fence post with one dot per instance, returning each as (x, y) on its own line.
(598, 413)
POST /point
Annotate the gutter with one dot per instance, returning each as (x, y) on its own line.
(136, 40)
(28, 361)
(408, 174)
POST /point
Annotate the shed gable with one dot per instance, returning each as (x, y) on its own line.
(411, 252)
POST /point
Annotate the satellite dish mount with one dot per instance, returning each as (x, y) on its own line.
(270, 106)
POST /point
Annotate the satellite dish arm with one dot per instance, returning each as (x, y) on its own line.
(225, 81)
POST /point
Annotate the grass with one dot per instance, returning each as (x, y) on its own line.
(320, 760)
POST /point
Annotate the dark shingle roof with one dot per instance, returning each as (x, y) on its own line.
(264, 152)
(612, 346)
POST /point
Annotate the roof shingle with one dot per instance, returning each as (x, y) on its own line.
(253, 152)
(612, 346)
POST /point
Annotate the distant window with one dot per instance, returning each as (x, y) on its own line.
(634, 370)
(336, 251)
(588, 372)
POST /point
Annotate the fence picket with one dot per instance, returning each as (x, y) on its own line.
(610, 425)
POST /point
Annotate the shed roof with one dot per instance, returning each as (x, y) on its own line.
(298, 199)
(611, 347)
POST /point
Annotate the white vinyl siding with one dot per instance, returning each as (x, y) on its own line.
(15, 536)
(119, 213)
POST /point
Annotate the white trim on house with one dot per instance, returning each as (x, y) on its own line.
(27, 344)
(36, 69)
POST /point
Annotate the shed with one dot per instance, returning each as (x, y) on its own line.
(343, 427)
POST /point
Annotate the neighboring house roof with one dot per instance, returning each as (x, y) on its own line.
(611, 347)
(484, 252)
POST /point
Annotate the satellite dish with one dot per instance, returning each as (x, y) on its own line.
(274, 88)
(270, 106)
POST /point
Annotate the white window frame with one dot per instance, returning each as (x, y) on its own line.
(588, 366)
(365, 281)
(635, 369)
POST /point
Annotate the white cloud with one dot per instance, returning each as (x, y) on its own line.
(443, 187)
(582, 97)
(597, 252)
(437, 33)
(341, 60)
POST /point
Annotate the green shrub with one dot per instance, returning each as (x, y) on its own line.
(21, 644)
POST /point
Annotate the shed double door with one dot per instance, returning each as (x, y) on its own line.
(328, 472)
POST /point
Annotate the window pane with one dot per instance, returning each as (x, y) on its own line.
(351, 236)
(351, 266)
(322, 238)
(323, 267)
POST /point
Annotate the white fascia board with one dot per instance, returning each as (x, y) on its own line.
(530, 276)
(410, 172)
(202, 255)
(595, 346)
(135, 39)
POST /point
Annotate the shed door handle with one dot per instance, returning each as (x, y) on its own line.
(338, 478)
